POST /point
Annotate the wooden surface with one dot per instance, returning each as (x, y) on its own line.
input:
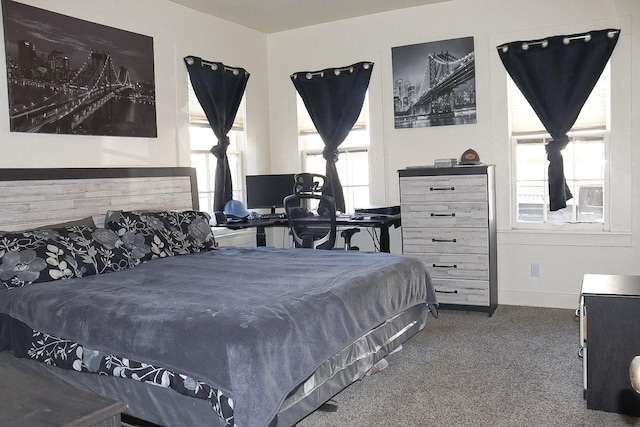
(30, 400)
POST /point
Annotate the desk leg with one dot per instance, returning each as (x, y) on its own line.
(261, 236)
(384, 239)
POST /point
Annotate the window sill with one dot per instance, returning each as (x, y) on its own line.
(567, 238)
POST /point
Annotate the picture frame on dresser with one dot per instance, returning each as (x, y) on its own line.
(448, 222)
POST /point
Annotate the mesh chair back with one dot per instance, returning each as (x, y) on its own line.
(309, 183)
(312, 220)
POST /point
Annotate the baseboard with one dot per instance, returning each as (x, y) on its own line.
(538, 299)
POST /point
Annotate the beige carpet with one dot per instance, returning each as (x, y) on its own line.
(519, 367)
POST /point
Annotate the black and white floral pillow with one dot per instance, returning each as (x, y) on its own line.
(195, 231)
(167, 233)
(63, 253)
(98, 250)
(31, 256)
(146, 235)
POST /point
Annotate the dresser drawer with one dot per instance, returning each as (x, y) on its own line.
(448, 188)
(445, 240)
(456, 266)
(466, 292)
(445, 214)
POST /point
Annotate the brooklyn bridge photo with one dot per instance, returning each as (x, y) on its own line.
(434, 83)
(70, 76)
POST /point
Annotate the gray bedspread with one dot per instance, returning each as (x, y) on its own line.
(253, 323)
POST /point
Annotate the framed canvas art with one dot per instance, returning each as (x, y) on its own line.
(434, 83)
(70, 76)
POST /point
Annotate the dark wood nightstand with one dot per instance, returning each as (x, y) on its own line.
(611, 304)
(29, 400)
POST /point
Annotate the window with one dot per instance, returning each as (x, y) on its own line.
(353, 158)
(585, 161)
(202, 139)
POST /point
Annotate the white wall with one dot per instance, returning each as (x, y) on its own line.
(563, 258)
(177, 32)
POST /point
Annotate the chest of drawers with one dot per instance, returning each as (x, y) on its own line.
(448, 222)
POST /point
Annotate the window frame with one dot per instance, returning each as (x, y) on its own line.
(566, 226)
(345, 186)
(532, 128)
(236, 152)
(234, 155)
(306, 130)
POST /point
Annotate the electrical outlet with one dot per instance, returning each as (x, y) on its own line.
(535, 269)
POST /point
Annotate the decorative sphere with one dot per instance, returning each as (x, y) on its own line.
(634, 373)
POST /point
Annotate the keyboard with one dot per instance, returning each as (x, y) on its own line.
(273, 216)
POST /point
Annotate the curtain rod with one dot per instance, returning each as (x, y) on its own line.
(336, 71)
(544, 43)
(213, 65)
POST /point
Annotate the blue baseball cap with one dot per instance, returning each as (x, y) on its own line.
(234, 209)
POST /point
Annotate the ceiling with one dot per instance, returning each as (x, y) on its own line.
(271, 16)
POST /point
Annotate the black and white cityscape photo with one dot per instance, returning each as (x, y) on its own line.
(434, 83)
(70, 76)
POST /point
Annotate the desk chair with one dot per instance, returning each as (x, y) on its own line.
(312, 184)
(312, 221)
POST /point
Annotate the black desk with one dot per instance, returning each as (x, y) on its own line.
(381, 222)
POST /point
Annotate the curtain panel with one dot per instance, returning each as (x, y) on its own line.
(556, 75)
(219, 89)
(334, 97)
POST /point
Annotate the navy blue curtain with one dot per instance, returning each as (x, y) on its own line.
(556, 75)
(334, 99)
(219, 90)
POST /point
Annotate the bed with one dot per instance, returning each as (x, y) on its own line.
(147, 309)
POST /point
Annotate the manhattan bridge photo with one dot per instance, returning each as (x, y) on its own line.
(434, 84)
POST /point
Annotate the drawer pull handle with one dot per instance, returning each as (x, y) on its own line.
(445, 266)
(443, 214)
(443, 240)
(442, 188)
(447, 292)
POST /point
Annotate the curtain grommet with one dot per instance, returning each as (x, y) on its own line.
(309, 76)
(525, 46)
(587, 38)
(190, 61)
(566, 41)
(545, 43)
(336, 72)
(214, 67)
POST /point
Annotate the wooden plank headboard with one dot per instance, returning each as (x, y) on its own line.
(35, 197)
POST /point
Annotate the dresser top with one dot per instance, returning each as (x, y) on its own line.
(455, 170)
(610, 284)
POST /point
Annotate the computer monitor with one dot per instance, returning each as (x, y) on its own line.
(267, 191)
